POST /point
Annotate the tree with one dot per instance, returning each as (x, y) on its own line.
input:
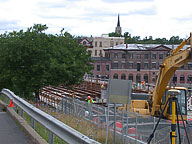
(32, 59)
(114, 34)
(175, 40)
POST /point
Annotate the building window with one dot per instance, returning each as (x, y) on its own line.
(130, 77)
(189, 79)
(100, 53)
(138, 56)
(146, 56)
(130, 65)
(138, 66)
(123, 77)
(107, 55)
(153, 56)
(115, 55)
(115, 76)
(138, 78)
(174, 78)
(95, 52)
(145, 78)
(107, 67)
(146, 65)
(123, 65)
(111, 43)
(96, 44)
(100, 44)
(123, 55)
(182, 79)
(160, 56)
(98, 67)
(130, 55)
(190, 66)
(116, 43)
(182, 67)
(154, 65)
(84, 43)
(153, 79)
(115, 65)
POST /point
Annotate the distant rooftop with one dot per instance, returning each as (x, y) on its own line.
(141, 46)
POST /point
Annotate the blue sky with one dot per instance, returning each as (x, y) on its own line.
(157, 18)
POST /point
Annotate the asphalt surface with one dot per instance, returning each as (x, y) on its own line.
(10, 133)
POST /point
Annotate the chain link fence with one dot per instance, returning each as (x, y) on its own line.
(128, 127)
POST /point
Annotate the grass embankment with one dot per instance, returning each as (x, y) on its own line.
(80, 124)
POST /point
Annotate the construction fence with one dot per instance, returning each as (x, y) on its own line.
(119, 126)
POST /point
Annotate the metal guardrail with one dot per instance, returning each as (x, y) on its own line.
(55, 126)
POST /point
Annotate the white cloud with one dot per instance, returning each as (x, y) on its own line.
(157, 18)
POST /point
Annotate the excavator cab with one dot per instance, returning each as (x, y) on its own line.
(182, 101)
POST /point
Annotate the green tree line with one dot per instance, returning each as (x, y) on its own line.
(32, 59)
(147, 40)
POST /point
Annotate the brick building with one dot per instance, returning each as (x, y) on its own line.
(138, 62)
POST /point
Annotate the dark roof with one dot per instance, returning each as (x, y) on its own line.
(143, 47)
(87, 39)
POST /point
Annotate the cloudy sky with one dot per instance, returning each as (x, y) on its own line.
(157, 18)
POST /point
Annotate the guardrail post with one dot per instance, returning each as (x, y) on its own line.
(50, 137)
(5, 99)
(21, 113)
(32, 123)
(15, 108)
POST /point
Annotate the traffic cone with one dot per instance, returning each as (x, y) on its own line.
(11, 103)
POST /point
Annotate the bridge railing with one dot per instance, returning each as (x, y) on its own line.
(54, 126)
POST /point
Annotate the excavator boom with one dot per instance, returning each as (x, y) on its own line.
(177, 58)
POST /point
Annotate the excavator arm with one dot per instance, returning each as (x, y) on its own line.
(177, 58)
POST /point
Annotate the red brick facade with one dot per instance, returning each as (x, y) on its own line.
(138, 64)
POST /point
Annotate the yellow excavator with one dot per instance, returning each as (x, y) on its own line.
(156, 102)
(177, 58)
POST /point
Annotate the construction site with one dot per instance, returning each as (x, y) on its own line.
(138, 122)
(132, 112)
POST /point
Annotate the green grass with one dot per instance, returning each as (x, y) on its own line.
(85, 127)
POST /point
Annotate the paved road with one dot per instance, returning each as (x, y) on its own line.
(10, 133)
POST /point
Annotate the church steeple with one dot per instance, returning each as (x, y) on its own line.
(118, 28)
(118, 22)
